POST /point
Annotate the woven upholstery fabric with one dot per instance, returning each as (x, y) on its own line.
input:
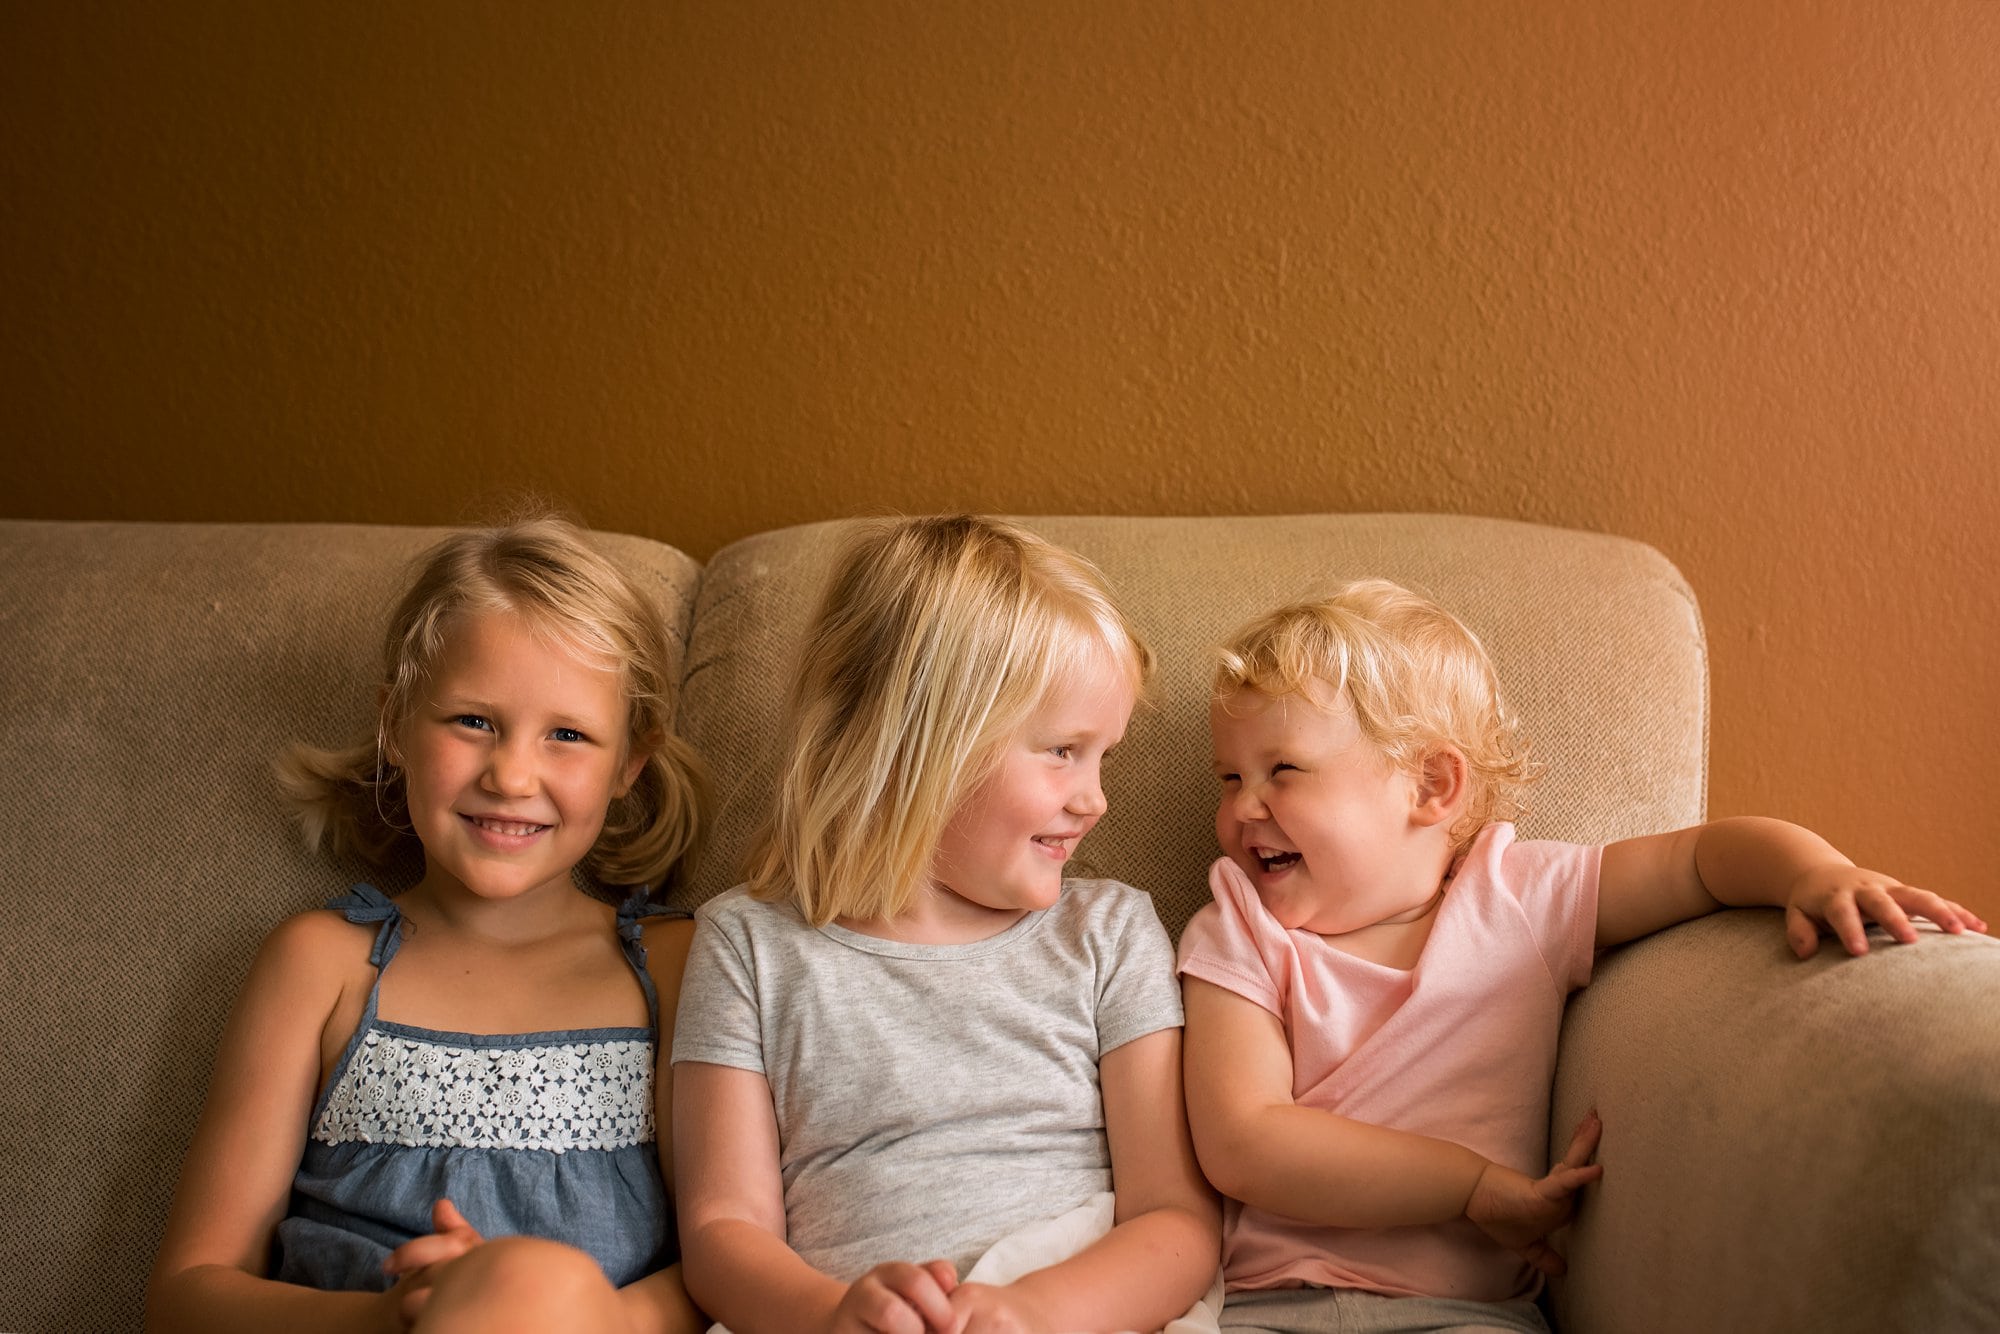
(1787, 1146)
(151, 674)
(1596, 638)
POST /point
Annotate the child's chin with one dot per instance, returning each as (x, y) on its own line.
(1043, 899)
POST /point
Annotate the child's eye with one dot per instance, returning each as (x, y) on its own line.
(1063, 751)
(473, 721)
(1281, 767)
(566, 734)
(1227, 779)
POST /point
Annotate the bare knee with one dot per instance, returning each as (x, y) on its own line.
(520, 1285)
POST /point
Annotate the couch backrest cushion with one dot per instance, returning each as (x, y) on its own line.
(1597, 640)
(151, 673)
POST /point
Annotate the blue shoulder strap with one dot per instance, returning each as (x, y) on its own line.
(632, 937)
(363, 904)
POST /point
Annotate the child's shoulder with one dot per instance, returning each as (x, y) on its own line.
(1498, 854)
(317, 954)
(319, 934)
(1103, 897)
(1108, 908)
(736, 907)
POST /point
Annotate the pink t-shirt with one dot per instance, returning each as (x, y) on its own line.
(1462, 1047)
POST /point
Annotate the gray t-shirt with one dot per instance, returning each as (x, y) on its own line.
(930, 1098)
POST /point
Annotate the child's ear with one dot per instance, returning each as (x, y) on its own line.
(1443, 782)
(635, 761)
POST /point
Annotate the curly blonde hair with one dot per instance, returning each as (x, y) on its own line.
(1416, 677)
(352, 797)
(937, 638)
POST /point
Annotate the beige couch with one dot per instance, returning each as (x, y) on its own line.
(1787, 1146)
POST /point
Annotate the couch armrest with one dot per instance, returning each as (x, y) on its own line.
(1786, 1145)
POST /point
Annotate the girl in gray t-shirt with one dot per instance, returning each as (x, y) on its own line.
(908, 1035)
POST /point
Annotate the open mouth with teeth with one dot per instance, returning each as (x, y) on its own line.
(510, 828)
(1275, 861)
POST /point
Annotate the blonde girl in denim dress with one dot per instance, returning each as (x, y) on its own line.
(442, 1111)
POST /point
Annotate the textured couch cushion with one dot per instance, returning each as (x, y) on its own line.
(1597, 640)
(1787, 1145)
(151, 674)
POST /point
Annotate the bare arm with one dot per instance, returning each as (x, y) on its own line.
(1647, 884)
(237, 1175)
(659, 1302)
(1165, 1242)
(732, 1214)
(1260, 1147)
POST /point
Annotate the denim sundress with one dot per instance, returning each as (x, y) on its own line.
(543, 1134)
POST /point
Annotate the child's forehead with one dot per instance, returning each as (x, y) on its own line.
(1096, 685)
(1314, 702)
(487, 643)
(1090, 664)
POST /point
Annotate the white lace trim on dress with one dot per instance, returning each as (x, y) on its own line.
(428, 1094)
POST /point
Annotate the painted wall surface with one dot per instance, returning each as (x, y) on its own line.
(1721, 276)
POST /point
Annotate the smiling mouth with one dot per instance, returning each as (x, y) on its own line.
(510, 828)
(1275, 861)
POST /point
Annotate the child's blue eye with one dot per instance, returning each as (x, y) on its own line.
(567, 734)
(473, 721)
(1062, 752)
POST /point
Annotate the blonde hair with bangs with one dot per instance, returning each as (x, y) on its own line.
(1416, 677)
(937, 638)
(353, 798)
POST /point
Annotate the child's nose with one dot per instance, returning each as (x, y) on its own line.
(1088, 798)
(510, 769)
(1246, 804)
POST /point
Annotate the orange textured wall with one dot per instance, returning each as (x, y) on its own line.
(1723, 277)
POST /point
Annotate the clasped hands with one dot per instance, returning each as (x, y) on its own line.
(901, 1298)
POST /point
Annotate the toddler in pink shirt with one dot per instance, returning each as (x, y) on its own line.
(1374, 996)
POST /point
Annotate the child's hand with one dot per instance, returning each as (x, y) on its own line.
(1520, 1212)
(898, 1298)
(986, 1309)
(1838, 898)
(411, 1262)
(450, 1237)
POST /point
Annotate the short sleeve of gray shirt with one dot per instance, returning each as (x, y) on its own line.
(930, 1098)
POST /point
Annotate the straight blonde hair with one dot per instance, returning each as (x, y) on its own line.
(936, 640)
(1416, 676)
(352, 798)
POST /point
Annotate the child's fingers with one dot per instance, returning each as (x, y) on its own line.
(945, 1274)
(1882, 905)
(421, 1252)
(1544, 1257)
(1562, 1182)
(919, 1292)
(886, 1313)
(1575, 1178)
(1936, 908)
(1583, 1144)
(1802, 932)
(1843, 919)
(445, 1216)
